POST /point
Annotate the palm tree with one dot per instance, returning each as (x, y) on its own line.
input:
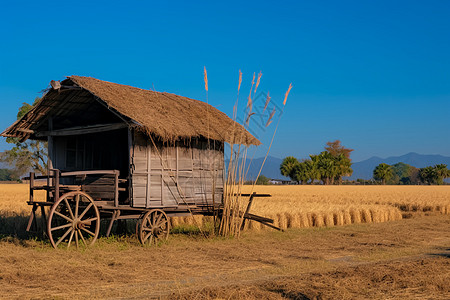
(383, 172)
(326, 167)
(427, 175)
(344, 167)
(441, 172)
(289, 167)
(303, 171)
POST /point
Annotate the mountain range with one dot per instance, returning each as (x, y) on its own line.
(362, 169)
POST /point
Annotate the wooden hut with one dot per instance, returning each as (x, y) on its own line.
(168, 150)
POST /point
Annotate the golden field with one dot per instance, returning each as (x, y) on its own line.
(298, 206)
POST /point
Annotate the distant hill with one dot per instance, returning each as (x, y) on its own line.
(271, 168)
(4, 165)
(364, 169)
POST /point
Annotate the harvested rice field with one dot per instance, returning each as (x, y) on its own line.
(303, 206)
(341, 242)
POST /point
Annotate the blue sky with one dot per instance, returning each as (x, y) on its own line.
(374, 74)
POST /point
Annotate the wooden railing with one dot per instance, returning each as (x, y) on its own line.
(98, 186)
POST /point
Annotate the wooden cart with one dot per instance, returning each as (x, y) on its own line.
(118, 152)
(77, 207)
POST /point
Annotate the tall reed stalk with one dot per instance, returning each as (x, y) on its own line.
(233, 206)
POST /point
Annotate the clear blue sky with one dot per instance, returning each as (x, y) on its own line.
(374, 74)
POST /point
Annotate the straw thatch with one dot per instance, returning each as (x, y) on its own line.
(168, 116)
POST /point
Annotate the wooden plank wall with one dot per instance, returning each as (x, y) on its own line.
(172, 175)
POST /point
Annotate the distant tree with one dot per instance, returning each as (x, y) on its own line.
(326, 167)
(335, 148)
(329, 166)
(440, 173)
(302, 172)
(401, 173)
(344, 167)
(6, 175)
(262, 180)
(306, 171)
(289, 167)
(427, 175)
(414, 177)
(28, 155)
(383, 172)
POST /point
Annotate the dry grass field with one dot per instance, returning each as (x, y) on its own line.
(327, 206)
(300, 206)
(314, 259)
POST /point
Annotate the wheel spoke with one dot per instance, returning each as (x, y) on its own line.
(77, 202)
(154, 218)
(82, 238)
(161, 223)
(89, 220)
(68, 208)
(88, 231)
(63, 216)
(85, 210)
(61, 227)
(70, 238)
(159, 219)
(63, 237)
(76, 238)
(147, 236)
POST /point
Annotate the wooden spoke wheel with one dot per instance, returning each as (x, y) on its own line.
(73, 219)
(153, 227)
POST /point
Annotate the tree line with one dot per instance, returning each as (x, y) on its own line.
(24, 156)
(328, 167)
(401, 173)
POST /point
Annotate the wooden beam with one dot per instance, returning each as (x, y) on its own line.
(25, 130)
(82, 130)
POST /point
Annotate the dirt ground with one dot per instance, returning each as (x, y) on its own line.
(406, 259)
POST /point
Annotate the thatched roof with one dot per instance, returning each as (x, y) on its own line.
(168, 116)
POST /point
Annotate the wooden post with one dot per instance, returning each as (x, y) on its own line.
(50, 157)
(56, 196)
(32, 217)
(50, 145)
(250, 201)
(44, 219)
(149, 167)
(116, 189)
(31, 186)
(130, 165)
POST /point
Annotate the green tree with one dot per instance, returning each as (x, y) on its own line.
(302, 172)
(262, 180)
(6, 175)
(383, 172)
(326, 167)
(28, 155)
(440, 173)
(344, 166)
(427, 175)
(289, 167)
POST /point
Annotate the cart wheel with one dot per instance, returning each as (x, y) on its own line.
(153, 227)
(73, 218)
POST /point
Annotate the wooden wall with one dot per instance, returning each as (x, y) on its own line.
(172, 175)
